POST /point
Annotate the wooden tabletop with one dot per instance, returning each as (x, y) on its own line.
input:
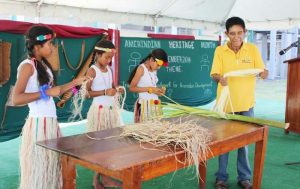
(120, 153)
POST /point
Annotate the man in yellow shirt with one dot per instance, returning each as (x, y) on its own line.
(237, 55)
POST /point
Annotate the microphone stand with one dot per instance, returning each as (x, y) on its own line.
(294, 44)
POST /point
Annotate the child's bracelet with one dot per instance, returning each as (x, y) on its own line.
(43, 89)
(74, 90)
(150, 90)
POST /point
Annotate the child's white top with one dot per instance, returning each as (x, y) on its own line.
(102, 81)
(40, 107)
(149, 79)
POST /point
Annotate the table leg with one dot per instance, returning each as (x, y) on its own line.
(202, 178)
(68, 172)
(260, 149)
(132, 178)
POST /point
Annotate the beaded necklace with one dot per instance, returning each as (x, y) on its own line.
(107, 85)
(153, 80)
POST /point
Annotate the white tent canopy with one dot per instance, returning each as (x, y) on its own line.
(198, 14)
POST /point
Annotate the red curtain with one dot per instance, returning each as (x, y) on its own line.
(60, 30)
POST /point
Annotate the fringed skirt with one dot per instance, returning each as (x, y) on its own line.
(145, 110)
(103, 117)
(40, 167)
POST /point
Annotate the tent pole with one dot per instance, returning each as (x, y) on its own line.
(38, 10)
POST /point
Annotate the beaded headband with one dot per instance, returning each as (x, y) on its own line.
(44, 37)
(105, 49)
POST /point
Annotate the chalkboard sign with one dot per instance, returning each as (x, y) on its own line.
(187, 78)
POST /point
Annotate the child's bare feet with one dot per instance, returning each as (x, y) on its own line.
(109, 182)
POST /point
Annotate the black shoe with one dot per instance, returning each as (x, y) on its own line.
(246, 184)
(220, 184)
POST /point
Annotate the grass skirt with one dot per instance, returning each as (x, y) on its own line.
(40, 167)
(146, 110)
(103, 117)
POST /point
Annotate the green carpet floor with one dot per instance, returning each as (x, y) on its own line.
(281, 149)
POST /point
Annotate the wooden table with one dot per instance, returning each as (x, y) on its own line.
(124, 159)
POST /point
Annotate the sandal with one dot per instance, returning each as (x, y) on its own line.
(245, 184)
(220, 184)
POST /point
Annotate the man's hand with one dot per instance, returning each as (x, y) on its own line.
(264, 74)
(223, 81)
(220, 79)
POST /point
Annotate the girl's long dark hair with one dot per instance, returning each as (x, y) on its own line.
(156, 53)
(31, 41)
(103, 44)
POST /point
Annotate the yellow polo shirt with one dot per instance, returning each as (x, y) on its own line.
(241, 88)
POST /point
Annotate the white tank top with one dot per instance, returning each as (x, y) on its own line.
(38, 108)
(149, 79)
(102, 81)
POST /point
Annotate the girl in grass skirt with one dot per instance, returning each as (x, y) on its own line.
(143, 80)
(104, 112)
(40, 168)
